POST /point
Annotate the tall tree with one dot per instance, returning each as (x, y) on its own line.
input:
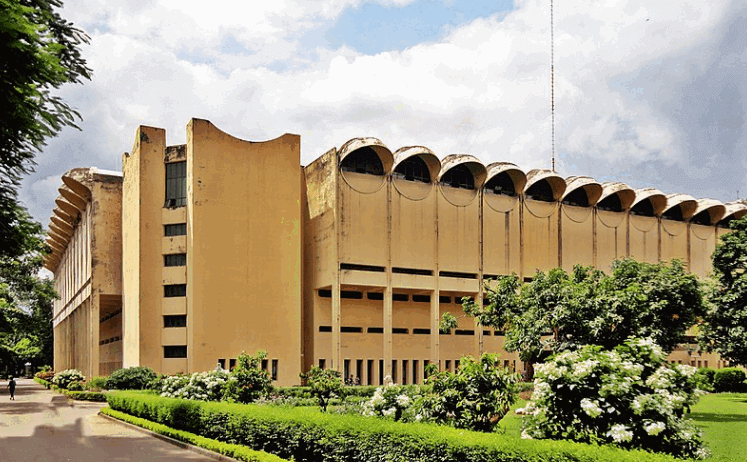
(558, 311)
(40, 52)
(724, 328)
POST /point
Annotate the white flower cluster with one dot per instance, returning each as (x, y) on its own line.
(661, 379)
(65, 378)
(654, 428)
(620, 434)
(591, 408)
(200, 386)
(583, 369)
(386, 401)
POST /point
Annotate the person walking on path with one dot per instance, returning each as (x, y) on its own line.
(12, 388)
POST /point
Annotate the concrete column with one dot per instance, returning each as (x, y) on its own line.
(388, 326)
(336, 322)
(435, 321)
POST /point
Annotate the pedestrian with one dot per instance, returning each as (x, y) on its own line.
(12, 388)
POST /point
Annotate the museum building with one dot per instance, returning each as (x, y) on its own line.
(197, 252)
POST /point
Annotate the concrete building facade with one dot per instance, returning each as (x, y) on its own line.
(350, 262)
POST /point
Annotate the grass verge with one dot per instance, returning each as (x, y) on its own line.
(723, 418)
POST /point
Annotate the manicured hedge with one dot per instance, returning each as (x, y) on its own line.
(231, 450)
(76, 395)
(305, 434)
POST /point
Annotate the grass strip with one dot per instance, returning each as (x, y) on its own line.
(231, 450)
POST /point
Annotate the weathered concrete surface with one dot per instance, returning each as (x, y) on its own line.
(42, 426)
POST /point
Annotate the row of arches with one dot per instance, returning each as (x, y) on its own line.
(419, 165)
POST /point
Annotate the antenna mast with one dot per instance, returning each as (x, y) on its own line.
(552, 81)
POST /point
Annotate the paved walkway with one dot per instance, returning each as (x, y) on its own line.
(41, 425)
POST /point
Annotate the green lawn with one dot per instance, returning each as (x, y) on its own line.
(723, 418)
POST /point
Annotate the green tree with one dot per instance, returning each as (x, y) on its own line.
(560, 311)
(40, 52)
(325, 384)
(248, 381)
(724, 328)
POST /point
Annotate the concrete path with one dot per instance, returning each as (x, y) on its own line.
(41, 425)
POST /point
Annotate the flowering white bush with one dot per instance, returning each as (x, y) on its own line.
(200, 386)
(64, 378)
(393, 401)
(628, 397)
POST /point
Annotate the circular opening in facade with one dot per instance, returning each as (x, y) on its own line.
(540, 191)
(577, 197)
(501, 184)
(611, 203)
(363, 170)
(644, 208)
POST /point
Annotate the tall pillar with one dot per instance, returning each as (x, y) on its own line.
(336, 323)
(435, 322)
(388, 326)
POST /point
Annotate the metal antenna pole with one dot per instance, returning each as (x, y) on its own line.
(552, 81)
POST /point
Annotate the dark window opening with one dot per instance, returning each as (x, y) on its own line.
(485, 302)
(404, 371)
(363, 160)
(456, 365)
(456, 274)
(176, 184)
(264, 365)
(381, 372)
(541, 191)
(358, 372)
(325, 293)
(355, 267)
(175, 351)
(418, 331)
(464, 332)
(413, 169)
(489, 276)
(175, 320)
(415, 367)
(400, 297)
(644, 208)
(394, 370)
(611, 203)
(375, 330)
(400, 330)
(322, 364)
(420, 272)
(444, 299)
(674, 213)
(577, 197)
(231, 364)
(353, 294)
(703, 218)
(501, 184)
(179, 229)
(175, 259)
(325, 328)
(175, 290)
(459, 177)
(274, 369)
(375, 295)
(426, 363)
(527, 279)
(369, 372)
(351, 330)
(447, 365)
(726, 222)
(222, 363)
(346, 371)
(486, 333)
(421, 298)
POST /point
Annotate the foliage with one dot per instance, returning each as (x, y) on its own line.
(249, 381)
(96, 383)
(476, 397)
(307, 435)
(729, 379)
(393, 401)
(324, 384)
(40, 53)
(560, 311)
(629, 397)
(130, 378)
(65, 378)
(45, 375)
(201, 386)
(724, 328)
(75, 386)
(234, 451)
(704, 378)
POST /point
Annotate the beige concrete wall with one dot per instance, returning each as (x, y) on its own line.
(577, 236)
(610, 239)
(501, 235)
(674, 239)
(243, 249)
(458, 230)
(702, 246)
(643, 238)
(363, 219)
(413, 240)
(540, 240)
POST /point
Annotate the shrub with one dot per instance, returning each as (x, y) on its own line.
(324, 384)
(627, 397)
(200, 386)
(307, 435)
(704, 378)
(248, 382)
(130, 378)
(65, 378)
(96, 383)
(730, 379)
(75, 386)
(393, 401)
(45, 375)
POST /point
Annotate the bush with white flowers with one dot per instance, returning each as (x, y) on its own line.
(64, 378)
(629, 397)
(392, 401)
(200, 386)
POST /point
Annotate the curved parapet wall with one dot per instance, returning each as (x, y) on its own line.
(591, 188)
(555, 181)
(686, 204)
(459, 165)
(656, 198)
(625, 194)
(411, 187)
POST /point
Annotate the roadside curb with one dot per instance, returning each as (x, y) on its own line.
(180, 444)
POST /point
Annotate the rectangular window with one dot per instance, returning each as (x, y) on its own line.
(486, 333)
(346, 371)
(176, 184)
(274, 369)
(404, 371)
(370, 372)
(464, 332)
(175, 290)
(421, 298)
(456, 365)
(175, 320)
(222, 363)
(355, 295)
(358, 372)
(231, 364)
(325, 328)
(426, 363)
(400, 297)
(444, 299)
(264, 365)
(381, 372)
(179, 229)
(325, 293)
(394, 370)
(322, 364)
(415, 365)
(447, 365)
(175, 351)
(375, 295)
(375, 330)
(175, 259)
(351, 330)
(399, 330)
(421, 331)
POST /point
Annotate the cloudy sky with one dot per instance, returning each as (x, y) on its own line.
(649, 92)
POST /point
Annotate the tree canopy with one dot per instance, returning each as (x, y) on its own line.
(40, 53)
(724, 328)
(560, 311)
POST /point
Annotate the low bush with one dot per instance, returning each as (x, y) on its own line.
(231, 450)
(395, 402)
(729, 380)
(130, 378)
(307, 435)
(201, 386)
(65, 378)
(96, 396)
(628, 397)
(248, 381)
(704, 378)
(45, 375)
(96, 384)
(324, 384)
(75, 386)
